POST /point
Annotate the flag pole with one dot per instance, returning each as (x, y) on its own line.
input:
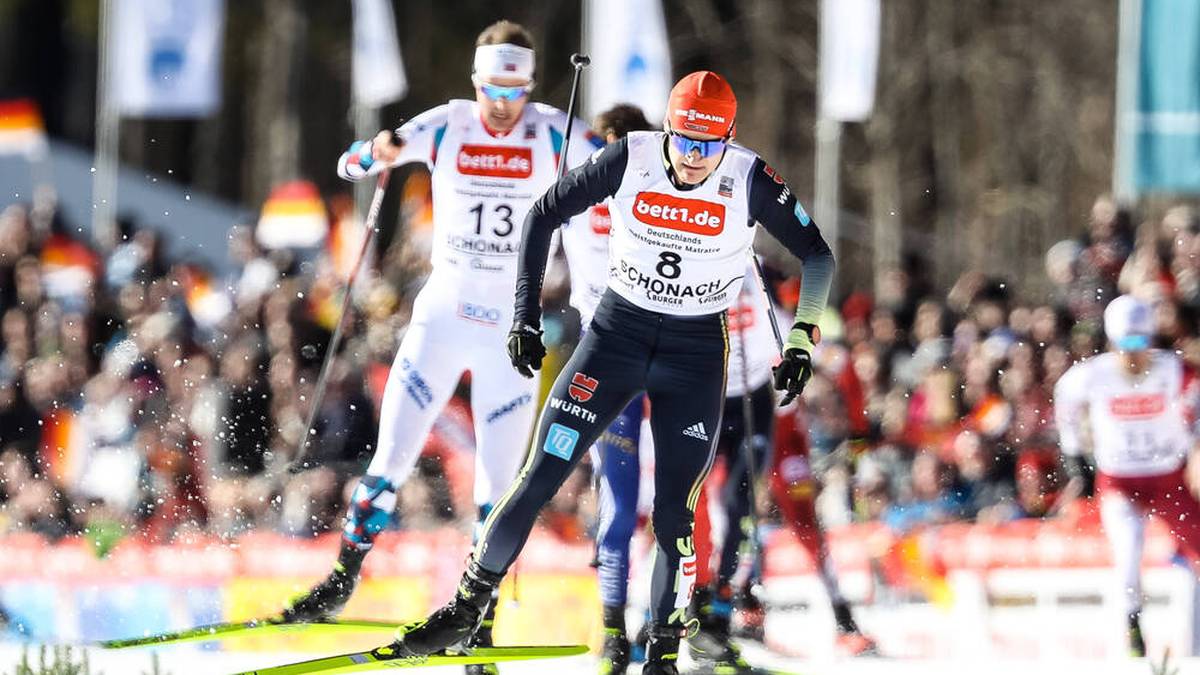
(1124, 125)
(108, 129)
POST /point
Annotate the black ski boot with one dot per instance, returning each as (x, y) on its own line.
(1137, 644)
(325, 600)
(662, 650)
(614, 656)
(712, 645)
(483, 638)
(451, 626)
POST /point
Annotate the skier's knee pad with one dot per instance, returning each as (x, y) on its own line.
(370, 510)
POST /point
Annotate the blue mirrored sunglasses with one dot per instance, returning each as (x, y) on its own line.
(1133, 343)
(686, 145)
(496, 92)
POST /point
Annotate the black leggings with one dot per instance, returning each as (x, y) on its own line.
(680, 363)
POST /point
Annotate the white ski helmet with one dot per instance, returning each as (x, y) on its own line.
(1129, 323)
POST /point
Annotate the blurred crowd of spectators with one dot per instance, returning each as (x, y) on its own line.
(144, 396)
(957, 385)
(141, 396)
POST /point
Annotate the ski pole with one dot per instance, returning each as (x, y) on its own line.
(748, 443)
(579, 62)
(300, 462)
(762, 283)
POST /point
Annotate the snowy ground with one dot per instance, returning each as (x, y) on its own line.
(189, 661)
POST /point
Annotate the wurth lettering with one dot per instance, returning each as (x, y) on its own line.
(782, 198)
(573, 409)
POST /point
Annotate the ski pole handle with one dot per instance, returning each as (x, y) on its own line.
(579, 62)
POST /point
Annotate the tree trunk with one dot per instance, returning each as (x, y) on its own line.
(274, 122)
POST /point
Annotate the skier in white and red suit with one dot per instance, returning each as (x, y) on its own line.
(1136, 405)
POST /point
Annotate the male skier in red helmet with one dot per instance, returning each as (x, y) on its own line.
(683, 202)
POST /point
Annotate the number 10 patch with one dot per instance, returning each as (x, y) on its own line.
(560, 441)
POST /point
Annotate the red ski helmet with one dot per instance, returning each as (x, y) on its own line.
(703, 102)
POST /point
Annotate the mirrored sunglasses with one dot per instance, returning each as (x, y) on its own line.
(496, 92)
(686, 145)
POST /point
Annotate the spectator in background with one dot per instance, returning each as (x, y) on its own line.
(1038, 483)
(247, 423)
(1109, 244)
(989, 485)
(936, 496)
(29, 502)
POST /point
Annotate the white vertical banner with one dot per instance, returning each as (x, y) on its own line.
(849, 58)
(378, 73)
(631, 62)
(166, 57)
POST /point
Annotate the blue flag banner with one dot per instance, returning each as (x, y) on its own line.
(1167, 128)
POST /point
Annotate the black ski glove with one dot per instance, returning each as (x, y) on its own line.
(794, 371)
(525, 348)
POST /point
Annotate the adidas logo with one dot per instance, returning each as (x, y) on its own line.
(696, 431)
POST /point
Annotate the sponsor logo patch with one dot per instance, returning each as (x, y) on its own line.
(725, 187)
(619, 442)
(1134, 406)
(509, 407)
(696, 431)
(487, 316)
(600, 219)
(677, 213)
(685, 581)
(560, 441)
(497, 161)
(582, 387)
(770, 171)
(415, 385)
(801, 214)
(691, 114)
